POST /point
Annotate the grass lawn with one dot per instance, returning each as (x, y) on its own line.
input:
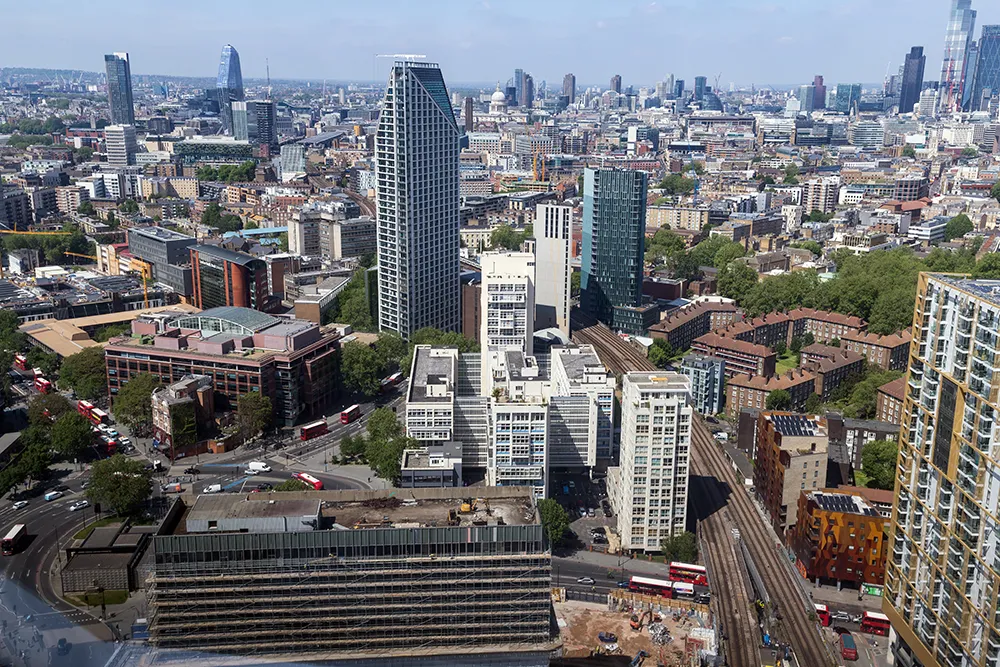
(786, 362)
(94, 599)
(84, 533)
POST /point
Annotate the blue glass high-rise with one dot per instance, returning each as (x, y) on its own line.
(230, 85)
(987, 84)
(955, 66)
(119, 74)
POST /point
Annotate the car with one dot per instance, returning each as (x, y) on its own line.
(702, 598)
(20, 504)
(607, 637)
(622, 584)
(572, 484)
(86, 484)
(599, 530)
(586, 580)
(841, 616)
(79, 505)
(124, 440)
(53, 495)
(590, 512)
(103, 428)
(599, 539)
(264, 487)
(251, 471)
(191, 471)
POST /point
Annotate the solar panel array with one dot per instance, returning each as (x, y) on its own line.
(843, 503)
(794, 425)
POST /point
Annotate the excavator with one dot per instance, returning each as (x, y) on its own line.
(636, 621)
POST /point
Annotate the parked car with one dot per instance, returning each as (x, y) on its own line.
(600, 539)
(265, 487)
(20, 504)
(841, 616)
(599, 530)
(251, 471)
(79, 505)
(191, 471)
(622, 584)
(607, 637)
(585, 580)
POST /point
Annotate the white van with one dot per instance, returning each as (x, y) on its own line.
(212, 488)
(258, 466)
(52, 495)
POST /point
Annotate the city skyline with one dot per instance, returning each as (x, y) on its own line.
(768, 37)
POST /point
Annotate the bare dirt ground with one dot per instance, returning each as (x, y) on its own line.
(584, 620)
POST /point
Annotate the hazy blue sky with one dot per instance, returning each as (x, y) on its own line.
(747, 41)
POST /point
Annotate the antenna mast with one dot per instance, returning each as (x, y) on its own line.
(267, 64)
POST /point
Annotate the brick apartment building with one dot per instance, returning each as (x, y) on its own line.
(824, 325)
(750, 391)
(831, 365)
(681, 327)
(740, 356)
(889, 401)
(890, 352)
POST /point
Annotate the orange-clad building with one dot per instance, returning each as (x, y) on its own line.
(223, 277)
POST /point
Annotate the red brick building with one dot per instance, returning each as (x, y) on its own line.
(740, 356)
(222, 277)
(831, 365)
(750, 391)
(889, 401)
(889, 352)
(682, 326)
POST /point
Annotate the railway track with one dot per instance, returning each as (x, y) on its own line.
(737, 622)
(795, 627)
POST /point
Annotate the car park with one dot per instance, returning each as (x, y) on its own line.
(79, 505)
(20, 504)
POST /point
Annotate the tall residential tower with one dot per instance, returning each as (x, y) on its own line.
(230, 85)
(416, 149)
(942, 584)
(119, 89)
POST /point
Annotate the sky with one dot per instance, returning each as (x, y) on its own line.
(765, 42)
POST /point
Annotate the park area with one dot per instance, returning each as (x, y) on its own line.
(581, 622)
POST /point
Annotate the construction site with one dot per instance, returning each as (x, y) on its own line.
(379, 576)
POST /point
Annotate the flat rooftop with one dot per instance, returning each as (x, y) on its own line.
(578, 364)
(237, 506)
(432, 367)
(804, 426)
(987, 290)
(414, 459)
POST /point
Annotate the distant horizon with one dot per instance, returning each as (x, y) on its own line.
(477, 43)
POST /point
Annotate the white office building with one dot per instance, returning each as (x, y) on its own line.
(577, 371)
(417, 160)
(649, 489)
(120, 145)
(507, 304)
(553, 229)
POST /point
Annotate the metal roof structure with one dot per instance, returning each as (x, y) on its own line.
(795, 425)
(227, 319)
(224, 254)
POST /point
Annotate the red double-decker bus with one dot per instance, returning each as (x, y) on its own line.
(692, 574)
(312, 430)
(350, 414)
(308, 479)
(389, 383)
(14, 539)
(98, 416)
(823, 614)
(875, 623)
(84, 408)
(648, 586)
(43, 385)
(20, 362)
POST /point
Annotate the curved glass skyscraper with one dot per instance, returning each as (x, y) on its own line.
(230, 85)
(955, 67)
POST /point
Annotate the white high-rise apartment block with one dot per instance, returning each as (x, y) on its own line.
(649, 489)
(416, 165)
(553, 239)
(578, 371)
(507, 306)
(119, 144)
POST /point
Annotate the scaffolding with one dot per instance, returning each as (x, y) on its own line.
(326, 594)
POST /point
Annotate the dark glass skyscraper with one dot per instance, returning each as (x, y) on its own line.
(913, 79)
(987, 84)
(614, 234)
(700, 83)
(569, 87)
(119, 89)
(954, 67)
(848, 95)
(616, 83)
(230, 85)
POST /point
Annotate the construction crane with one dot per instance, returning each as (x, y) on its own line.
(12, 233)
(147, 274)
(401, 56)
(535, 164)
(76, 254)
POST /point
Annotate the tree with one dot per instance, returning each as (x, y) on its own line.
(71, 435)
(909, 151)
(391, 350)
(676, 184)
(812, 246)
(53, 404)
(878, 461)
(283, 241)
(988, 268)
(664, 246)
(505, 237)
(555, 521)
(291, 485)
(385, 443)
(121, 483)
(184, 425)
(33, 463)
(254, 413)
(128, 206)
(85, 373)
(727, 253)
(970, 151)
(834, 342)
(736, 281)
(574, 283)
(660, 353)
(360, 368)
(958, 226)
(352, 447)
(791, 172)
(683, 547)
(106, 333)
(133, 405)
(780, 347)
(779, 399)
(813, 404)
(84, 153)
(212, 216)
(995, 191)
(48, 362)
(86, 208)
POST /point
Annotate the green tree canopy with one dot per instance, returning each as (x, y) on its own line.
(988, 268)
(909, 151)
(121, 483)
(86, 208)
(683, 547)
(71, 435)
(779, 399)
(129, 206)
(995, 191)
(254, 413)
(958, 226)
(664, 245)
(812, 246)
(85, 373)
(213, 216)
(291, 485)
(737, 281)
(53, 404)
(660, 353)
(728, 253)
(351, 306)
(555, 521)
(878, 462)
(385, 443)
(506, 237)
(676, 184)
(360, 368)
(133, 404)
